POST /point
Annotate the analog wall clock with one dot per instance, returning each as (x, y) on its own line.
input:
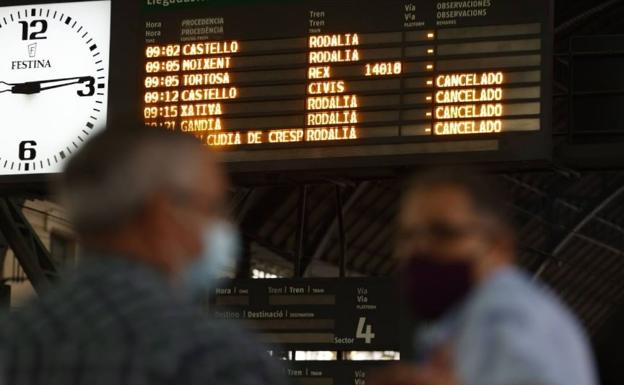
(53, 82)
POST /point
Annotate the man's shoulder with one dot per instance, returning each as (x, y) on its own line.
(512, 288)
(87, 308)
(522, 329)
(163, 336)
(516, 297)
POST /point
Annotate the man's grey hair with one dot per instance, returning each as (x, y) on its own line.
(108, 182)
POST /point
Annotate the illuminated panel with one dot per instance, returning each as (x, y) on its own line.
(332, 110)
(197, 85)
(368, 76)
(476, 107)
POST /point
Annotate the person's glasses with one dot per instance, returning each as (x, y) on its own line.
(440, 231)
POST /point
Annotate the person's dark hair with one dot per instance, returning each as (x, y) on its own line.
(483, 190)
(111, 177)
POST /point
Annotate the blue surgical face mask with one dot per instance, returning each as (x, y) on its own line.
(220, 251)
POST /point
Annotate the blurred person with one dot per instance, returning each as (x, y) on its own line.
(149, 208)
(483, 320)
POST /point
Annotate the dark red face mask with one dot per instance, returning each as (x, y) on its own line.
(432, 288)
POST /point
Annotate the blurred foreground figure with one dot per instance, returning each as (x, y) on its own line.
(487, 322)
(149, 208)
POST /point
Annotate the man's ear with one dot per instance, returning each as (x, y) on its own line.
(166, 232)
(176, 222)
(505, 242)
(157, 210)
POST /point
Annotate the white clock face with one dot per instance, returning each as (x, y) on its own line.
(53, 82)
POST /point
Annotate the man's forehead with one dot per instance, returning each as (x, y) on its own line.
(439, 200)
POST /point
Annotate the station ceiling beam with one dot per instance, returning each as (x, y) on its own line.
(584, 218)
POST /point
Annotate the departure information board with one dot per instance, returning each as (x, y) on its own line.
(314, 314)
(332, 83)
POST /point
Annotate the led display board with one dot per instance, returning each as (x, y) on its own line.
(342, 83)
(314, 314)
(54, 60)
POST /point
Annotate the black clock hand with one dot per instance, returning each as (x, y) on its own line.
(7, 84)
(29, 88)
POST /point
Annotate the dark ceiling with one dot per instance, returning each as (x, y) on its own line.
(587, 17)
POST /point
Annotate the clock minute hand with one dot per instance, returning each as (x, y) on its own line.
(29, 88)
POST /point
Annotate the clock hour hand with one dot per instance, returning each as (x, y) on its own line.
(29, 88)
(5, 87)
